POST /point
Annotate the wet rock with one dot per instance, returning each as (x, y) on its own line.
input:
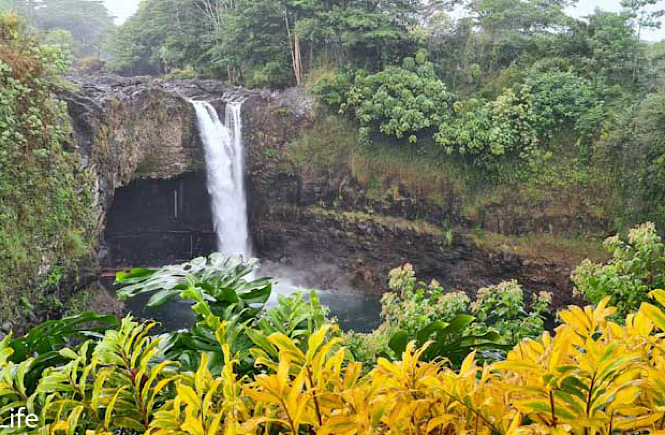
(366, 251)
(129, 128)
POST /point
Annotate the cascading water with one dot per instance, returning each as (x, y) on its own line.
(224, 156)
(224, 159)
(223, 147)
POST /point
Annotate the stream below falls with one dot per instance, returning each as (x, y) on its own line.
(355, 311)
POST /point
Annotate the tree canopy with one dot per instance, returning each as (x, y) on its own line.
(87, 21)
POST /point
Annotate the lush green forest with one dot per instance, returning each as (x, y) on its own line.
(519, 91)
(508, 98)
(81, 26)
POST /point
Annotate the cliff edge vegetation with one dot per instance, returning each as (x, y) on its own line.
(45, 197)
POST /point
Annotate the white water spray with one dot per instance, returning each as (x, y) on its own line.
(224, 156)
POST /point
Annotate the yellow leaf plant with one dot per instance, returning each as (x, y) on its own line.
(592, 376)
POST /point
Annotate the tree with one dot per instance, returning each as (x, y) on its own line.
(88, 21)
(612, 42)
(643, 17)
(161, 36)
(511, 29)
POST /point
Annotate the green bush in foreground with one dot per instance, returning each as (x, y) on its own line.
(636, 268)
(591, 377)
(414, 310)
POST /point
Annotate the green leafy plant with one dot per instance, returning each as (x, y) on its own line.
(490, 130)
(420, 312)
(217, 286)
(296, 316)
(637, 267)
(450, 340)
(116, 384)
(501, 308)
(44, 342)
(397, 102)
(564, 100)
(219, 280)
(293, 317)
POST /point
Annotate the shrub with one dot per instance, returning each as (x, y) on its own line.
(414, 310)
(411, 102)
(564, 100)
(489, 130)
(397, 102)
(637, 267)
(501, 308)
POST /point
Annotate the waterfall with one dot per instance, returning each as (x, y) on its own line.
(224, 158)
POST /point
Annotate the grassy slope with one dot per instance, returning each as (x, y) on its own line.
(558, 212)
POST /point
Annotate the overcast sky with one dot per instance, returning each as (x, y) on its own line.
(122, 9)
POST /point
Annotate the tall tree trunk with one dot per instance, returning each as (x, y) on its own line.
(294, 44)
(637, 53)
(298, 64)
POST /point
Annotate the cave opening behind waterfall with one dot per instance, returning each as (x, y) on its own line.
(157, 222)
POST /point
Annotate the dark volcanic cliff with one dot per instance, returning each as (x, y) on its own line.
(140, 136)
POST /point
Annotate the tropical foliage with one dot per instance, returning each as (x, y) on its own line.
(512, 85)
(81, 25)
(636, 268)
(398, 102)
(216, 281)
(45, 200)
(593, 376)
(221, 287)
(442, 365)
(452, 324)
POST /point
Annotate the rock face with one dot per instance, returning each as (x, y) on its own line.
(368, 246)
(129, 129)
(134, 132)
(140, 135)
(133, 128)
(307, 218)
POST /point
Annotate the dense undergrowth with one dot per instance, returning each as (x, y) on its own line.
(444, 365)
(45, 198)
